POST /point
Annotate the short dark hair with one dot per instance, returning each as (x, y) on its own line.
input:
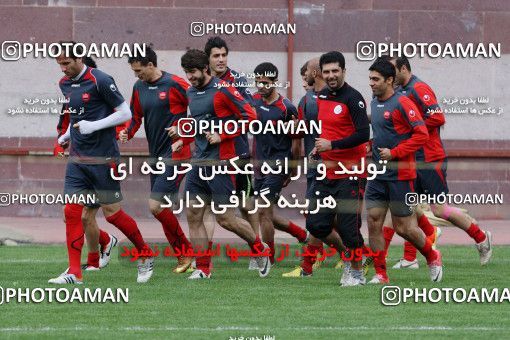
(302, 71)
(89, 62)
(402, 61)
(386, 57)
(150, 57)
(195, 59)
(214, 42)
(70, 43)
(384, 67)
(265, 68)
(332, 57)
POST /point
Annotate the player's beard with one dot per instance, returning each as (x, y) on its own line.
(268, 94)
(336, 80)
(375, 92)
(397, 82)
(378, 92)
(201, 81)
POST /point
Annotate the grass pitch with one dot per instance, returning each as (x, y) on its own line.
(236, 303)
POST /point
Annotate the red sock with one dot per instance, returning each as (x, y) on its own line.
(128, 227)
(257, 245)
(271, 246)
(388, 236)
(321, 248)
(74, 237)
(104, 238)
(297, 232)
(424, 224)
(428, 252)
(209, 247)
(203, 264)
(93, 259)
(409, 251)
(173, 230)
(308, 261)
(476, 233)
(366, 250)
(380, 264)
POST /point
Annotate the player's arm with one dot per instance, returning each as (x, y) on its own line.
(64, 138)
(180, 125)
(237, 104)
(63, 121)
(243, 89)
(361, 135)
(127, 130)
(300, 115)
(178, 109)
(178, 98)
(232, 103)
(132, 125)
(62, 128)
(432, 114)
(122, 113)
(292, 114)
(419, 134)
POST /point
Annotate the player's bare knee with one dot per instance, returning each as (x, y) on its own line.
(400, 228)
(374, 221)
(193, 216)
(110, 209)
(244, 210)
(225, 221)
(437, 210)
(155, 208)
(87, 219)
(374, 234)
(265, 216)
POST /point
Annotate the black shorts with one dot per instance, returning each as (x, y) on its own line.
(392, 194)
(244, 185)
(348, 195)
(95, 179)
(273, 183)
(161, 186)
(431, 178)
(218, 189)
(310, 178)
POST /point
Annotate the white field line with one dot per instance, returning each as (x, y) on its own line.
(250, 328)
